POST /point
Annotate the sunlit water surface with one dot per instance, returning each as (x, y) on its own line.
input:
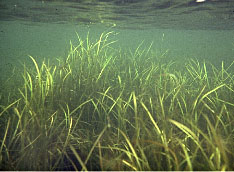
(183, 29)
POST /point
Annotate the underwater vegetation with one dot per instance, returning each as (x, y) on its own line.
(102, 108)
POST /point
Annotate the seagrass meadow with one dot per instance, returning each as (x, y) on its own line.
(104, 108)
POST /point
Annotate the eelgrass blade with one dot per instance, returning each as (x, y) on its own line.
(132, 149)
(152, 119)
(186, 130)
(220, 146)
(103, 68)
(9, 106)
(4, 140)
(209, 92)
(79, 159)
(95, 144)
(187, 157)
(130, 165)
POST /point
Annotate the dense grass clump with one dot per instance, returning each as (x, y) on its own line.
(102, 108)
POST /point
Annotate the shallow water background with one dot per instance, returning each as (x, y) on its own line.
(186, 29)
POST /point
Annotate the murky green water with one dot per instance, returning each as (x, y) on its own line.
(187, 29)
